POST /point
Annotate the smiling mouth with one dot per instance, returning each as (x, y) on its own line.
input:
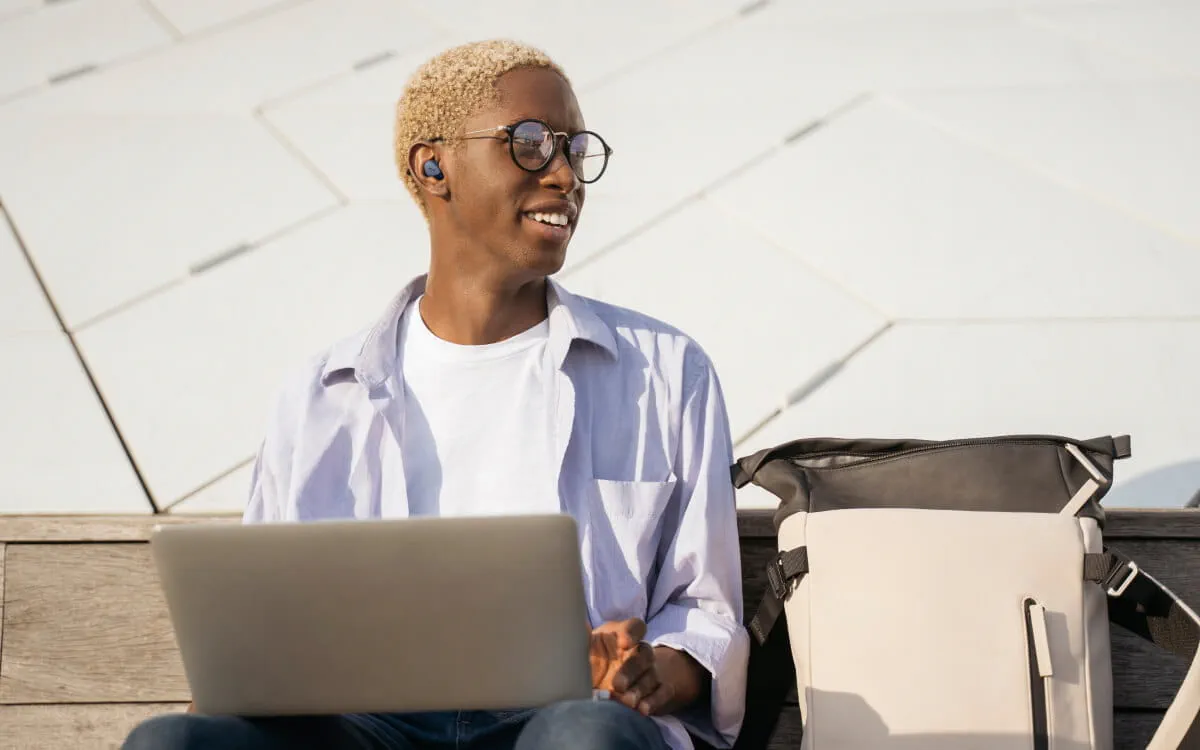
(550, 219)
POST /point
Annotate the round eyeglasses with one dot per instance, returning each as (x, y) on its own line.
(533, 145)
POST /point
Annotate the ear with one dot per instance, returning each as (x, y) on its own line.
(421, 152)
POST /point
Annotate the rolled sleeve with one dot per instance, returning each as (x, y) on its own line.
(720, 646)
(696, 604)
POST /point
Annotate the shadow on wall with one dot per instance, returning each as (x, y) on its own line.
(1174, 486)
(859, 725)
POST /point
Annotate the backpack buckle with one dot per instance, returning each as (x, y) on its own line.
(777, 578)
(1127, 573)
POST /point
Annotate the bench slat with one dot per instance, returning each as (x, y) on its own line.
(94, 726)
(2, 566)
(86, 623)
(1131, 731)
(93, 528)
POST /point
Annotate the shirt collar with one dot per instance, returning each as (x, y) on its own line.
(374, 359)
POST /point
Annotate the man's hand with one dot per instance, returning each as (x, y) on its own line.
(612, 644)
(652, 680)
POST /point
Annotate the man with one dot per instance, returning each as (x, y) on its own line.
(486, 388)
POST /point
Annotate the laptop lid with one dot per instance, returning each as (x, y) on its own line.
(417, 614)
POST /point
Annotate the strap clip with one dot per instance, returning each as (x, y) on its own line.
(777, 578)
(1125, 575)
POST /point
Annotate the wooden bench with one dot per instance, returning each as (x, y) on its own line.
(87, 651)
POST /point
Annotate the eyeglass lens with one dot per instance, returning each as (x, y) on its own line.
(533, 147)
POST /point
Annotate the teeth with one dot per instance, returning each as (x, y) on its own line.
(558, 220)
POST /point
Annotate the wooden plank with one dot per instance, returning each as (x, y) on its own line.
(87, 623)
(93, 726)
(1142, 523)
(1153, 523)
(93, 528)
(1131, 731)
(754, 523)
(1, 601)
(1144, 676)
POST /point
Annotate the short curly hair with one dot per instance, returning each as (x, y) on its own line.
(451, 87)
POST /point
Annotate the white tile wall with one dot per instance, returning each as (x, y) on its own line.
(190, 374)
(243, 66)
(871, 9)
(23, 307)
(115, 207)
(739, 297)
(1166, 32)
(188, 16)
(888, 51)
(10, 9)
(926, 225)
(1079, 379)
(1028, 163)
(226, 495)
(1132, 147)
(58, 451)
(64, 37)
(590, 40)
(345, 126)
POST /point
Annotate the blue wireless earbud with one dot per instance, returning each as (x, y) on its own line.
(431, 169)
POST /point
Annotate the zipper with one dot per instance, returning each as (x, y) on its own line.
(875, 458)
(1037, 654)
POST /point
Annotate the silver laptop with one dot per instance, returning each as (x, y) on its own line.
(419, 614)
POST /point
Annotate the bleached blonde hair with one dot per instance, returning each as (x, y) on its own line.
(451, 87)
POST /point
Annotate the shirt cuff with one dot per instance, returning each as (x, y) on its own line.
(722, 647)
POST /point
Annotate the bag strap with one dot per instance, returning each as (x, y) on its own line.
(783, 572)
(1148, 609)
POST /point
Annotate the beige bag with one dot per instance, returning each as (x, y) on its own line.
(955, 595)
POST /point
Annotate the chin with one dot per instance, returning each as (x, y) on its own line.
(541, 261)
(548, 264)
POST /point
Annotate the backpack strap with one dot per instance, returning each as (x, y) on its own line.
(1148, 609)
(782, 574)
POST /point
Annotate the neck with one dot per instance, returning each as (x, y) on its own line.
(473, 307)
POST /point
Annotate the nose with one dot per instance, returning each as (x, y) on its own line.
(558, 174)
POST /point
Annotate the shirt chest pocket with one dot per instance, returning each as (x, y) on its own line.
(626, 527)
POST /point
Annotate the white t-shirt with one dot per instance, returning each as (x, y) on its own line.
(478, 426)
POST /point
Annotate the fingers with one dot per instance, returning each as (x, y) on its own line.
(641, 692)
(657, 702)
(637, 666)
(632, 632)
(629, 632)
(600, 655)
(639, 686)
(616, 650)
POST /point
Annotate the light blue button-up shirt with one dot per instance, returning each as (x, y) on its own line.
(643, 451)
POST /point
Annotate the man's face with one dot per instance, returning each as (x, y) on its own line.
(494, 201)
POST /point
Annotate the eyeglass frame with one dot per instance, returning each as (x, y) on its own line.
(512, 149)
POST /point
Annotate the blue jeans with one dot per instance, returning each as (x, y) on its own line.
(579, 725)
